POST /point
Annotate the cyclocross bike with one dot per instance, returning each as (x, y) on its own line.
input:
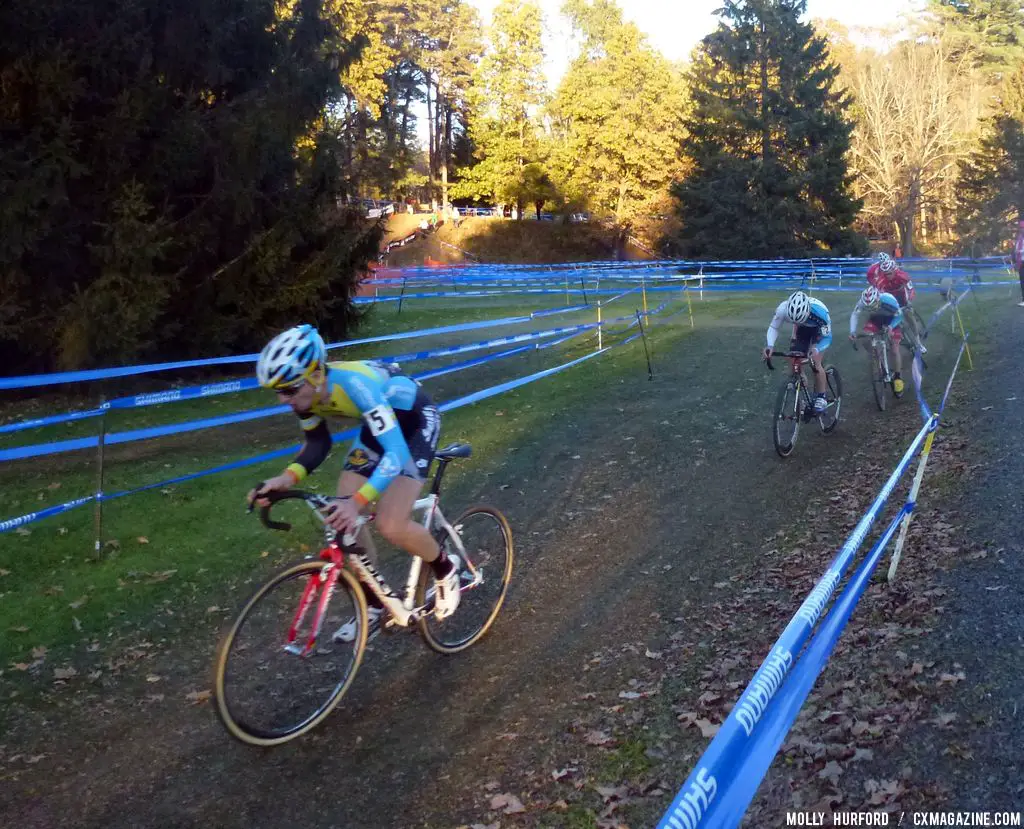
(281, 668)
(881, 376)
(795, 404)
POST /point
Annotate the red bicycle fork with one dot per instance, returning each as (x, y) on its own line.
(324, 582)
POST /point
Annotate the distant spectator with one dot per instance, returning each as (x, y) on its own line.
(1018, 258)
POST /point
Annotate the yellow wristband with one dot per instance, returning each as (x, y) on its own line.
(297, 470)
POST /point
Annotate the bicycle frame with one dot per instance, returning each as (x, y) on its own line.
(400, 607)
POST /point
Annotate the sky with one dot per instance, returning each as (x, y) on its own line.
(675, 26)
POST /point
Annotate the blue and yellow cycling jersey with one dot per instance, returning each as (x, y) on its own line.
(888, 312)
(383, 400)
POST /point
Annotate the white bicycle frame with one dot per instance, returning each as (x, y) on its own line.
(401, 607)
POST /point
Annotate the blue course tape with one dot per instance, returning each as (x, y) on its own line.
(452, 404)
(717, 769)
(49, 421)
(38, 450)
(728, 804)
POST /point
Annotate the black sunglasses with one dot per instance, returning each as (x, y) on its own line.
(289, 391)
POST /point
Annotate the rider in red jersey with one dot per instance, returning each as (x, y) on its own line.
(889, 278)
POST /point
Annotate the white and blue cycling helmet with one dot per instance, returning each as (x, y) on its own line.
(798, 308)
(291, 357)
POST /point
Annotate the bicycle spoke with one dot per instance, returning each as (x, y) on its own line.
(485, 550)
(276, 678)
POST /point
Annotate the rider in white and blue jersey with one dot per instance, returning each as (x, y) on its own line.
(812, 334)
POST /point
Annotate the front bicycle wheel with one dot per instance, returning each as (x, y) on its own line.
(830, 419)
(878, 381)
(270, 685)
(786, 422)
(484, 547)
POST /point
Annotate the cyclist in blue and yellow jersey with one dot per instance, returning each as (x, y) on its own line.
(883, 312)
(387, 463)
(812, 334)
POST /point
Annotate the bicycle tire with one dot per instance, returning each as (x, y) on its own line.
(238, 726)
(877, 378)
(782, 412)
(835, 389)
(438, 635)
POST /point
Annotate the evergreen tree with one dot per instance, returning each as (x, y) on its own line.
(767, 136)
(166, 186)
(990, 190)
(617, 116)
(991, 30)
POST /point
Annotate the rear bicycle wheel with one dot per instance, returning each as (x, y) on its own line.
(268, 689)
(485, 550)
(786, 422)
(834, 396)
(878, 381)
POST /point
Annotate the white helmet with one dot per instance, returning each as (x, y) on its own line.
(871, 297)
(290, 358)
(886, 264)
(799, 308)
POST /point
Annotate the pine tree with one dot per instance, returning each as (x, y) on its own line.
(990, 189)
(768, 137)
(991, 30)
(167, 186)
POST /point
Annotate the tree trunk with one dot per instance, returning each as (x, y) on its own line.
(446, 149)
(431, 150)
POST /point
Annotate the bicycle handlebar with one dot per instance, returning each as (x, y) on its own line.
(793, 354)
(274, 496)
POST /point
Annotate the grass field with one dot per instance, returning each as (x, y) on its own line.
(641, 509)
(173, 552)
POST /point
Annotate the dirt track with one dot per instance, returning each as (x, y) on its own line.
(630, 510)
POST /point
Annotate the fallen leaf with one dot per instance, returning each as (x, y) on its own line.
(915, 669)
(62, 531)
(76, 624)
(39, 652)
(20, 666)
(4, 572)
(64, 673)
(54, 485)
(652, 654)
(977, 555)
(597, 738)
(77, 603)
(707, 728)
(198, 697)
(953, 678)
(945, 719)
(832, 772)
(612, 792)
(20, 629)
(265, 553)
(23, 531)
(153, 678)
(509, 804)
(142, 539)
(630, 695)
(863, 754)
